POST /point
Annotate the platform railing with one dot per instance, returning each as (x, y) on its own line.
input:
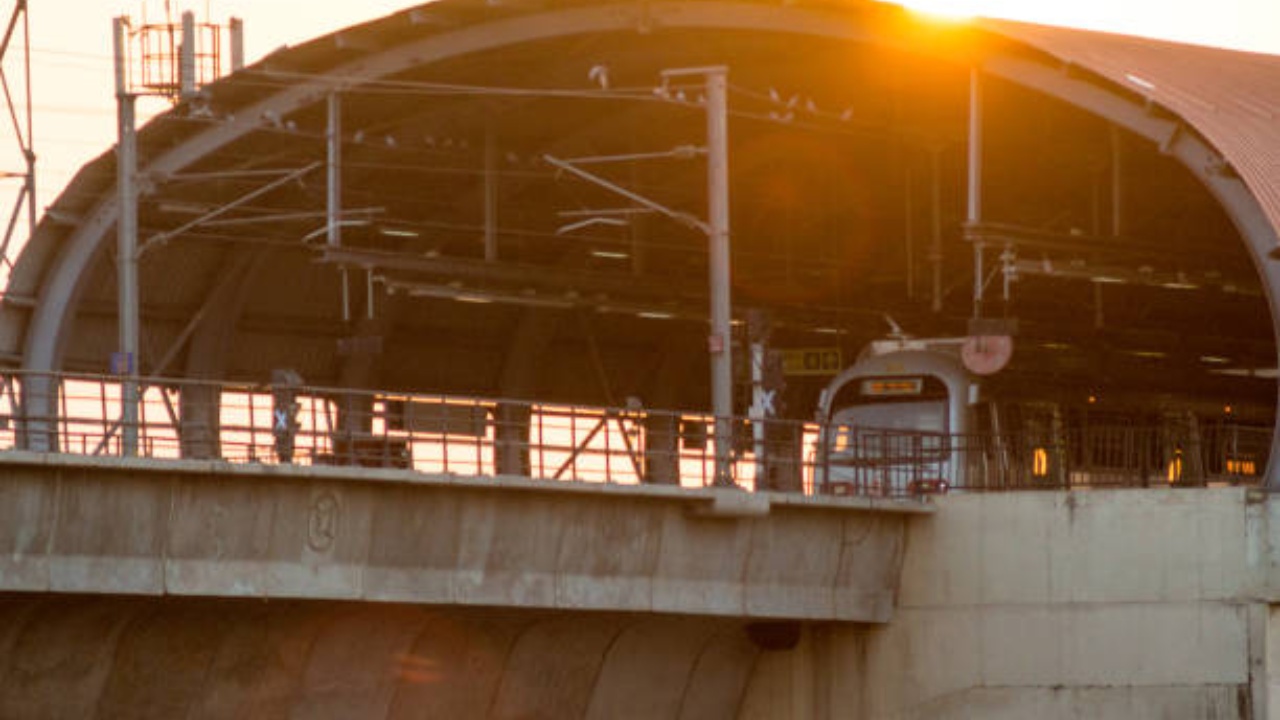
(289, 424)
(302, 425)
(871, 461)
(1148, 455)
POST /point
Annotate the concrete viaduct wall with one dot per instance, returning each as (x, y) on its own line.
(146, 589)
(1116, 604)
(86, 525)
(624, 602)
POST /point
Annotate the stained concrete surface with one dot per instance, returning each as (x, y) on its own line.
(130, 657)
(209, 530)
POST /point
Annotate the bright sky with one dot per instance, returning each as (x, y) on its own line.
(1240, 24)
(73, 90)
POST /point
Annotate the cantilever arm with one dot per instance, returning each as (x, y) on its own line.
(680, 217)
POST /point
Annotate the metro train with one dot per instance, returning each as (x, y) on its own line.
(909, 418)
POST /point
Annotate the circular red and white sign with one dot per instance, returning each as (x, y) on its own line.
(986, 354)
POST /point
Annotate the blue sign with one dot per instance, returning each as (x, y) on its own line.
(121, 363)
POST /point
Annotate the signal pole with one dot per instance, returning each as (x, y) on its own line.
(126, 361)
(720, 342)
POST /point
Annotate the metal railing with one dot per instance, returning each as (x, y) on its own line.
(318, 426)
(300, 425)
(1162, 455)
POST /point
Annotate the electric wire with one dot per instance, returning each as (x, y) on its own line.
(348, 84)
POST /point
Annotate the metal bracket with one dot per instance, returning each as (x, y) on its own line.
(680, 217)
(161, 238)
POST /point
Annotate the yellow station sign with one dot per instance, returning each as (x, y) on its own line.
(812, 361)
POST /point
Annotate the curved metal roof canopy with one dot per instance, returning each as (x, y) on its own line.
(1231, 98)
(211, 297)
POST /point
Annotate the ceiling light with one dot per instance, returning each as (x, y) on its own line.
(1214, 360)
(1267, 373)
(1140, 81)
(398, 232)
(655, 315)
(610, 254)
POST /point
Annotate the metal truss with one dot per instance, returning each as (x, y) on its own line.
(21, 118)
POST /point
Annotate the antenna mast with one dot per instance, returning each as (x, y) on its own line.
(176, 60)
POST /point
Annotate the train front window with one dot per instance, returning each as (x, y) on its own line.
(914, 404)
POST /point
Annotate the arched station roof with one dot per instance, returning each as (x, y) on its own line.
(1231, 98)
(231, 300)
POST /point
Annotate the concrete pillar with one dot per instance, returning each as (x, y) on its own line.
(511, 439)
(661, 449)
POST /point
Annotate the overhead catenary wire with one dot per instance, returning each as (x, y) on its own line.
(279, 79)
(671, 95)
(469, 229)
(645, 94)
(358, 84)
(639, 94)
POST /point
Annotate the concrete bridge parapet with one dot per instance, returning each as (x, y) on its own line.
(210, 529)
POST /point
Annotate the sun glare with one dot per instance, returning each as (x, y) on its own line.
(953, 10)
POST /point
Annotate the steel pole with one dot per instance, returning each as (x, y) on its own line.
(908, 232)
(30, 149)
(720, 343)
(975, 181)
(187, 57)
(758, 409)
(333, 140)
(935, 247)
(1117, 182)
(490, 193)
(32, 216)
(126, 249)
(237, 44)
(333, 207)
(1117, 213)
